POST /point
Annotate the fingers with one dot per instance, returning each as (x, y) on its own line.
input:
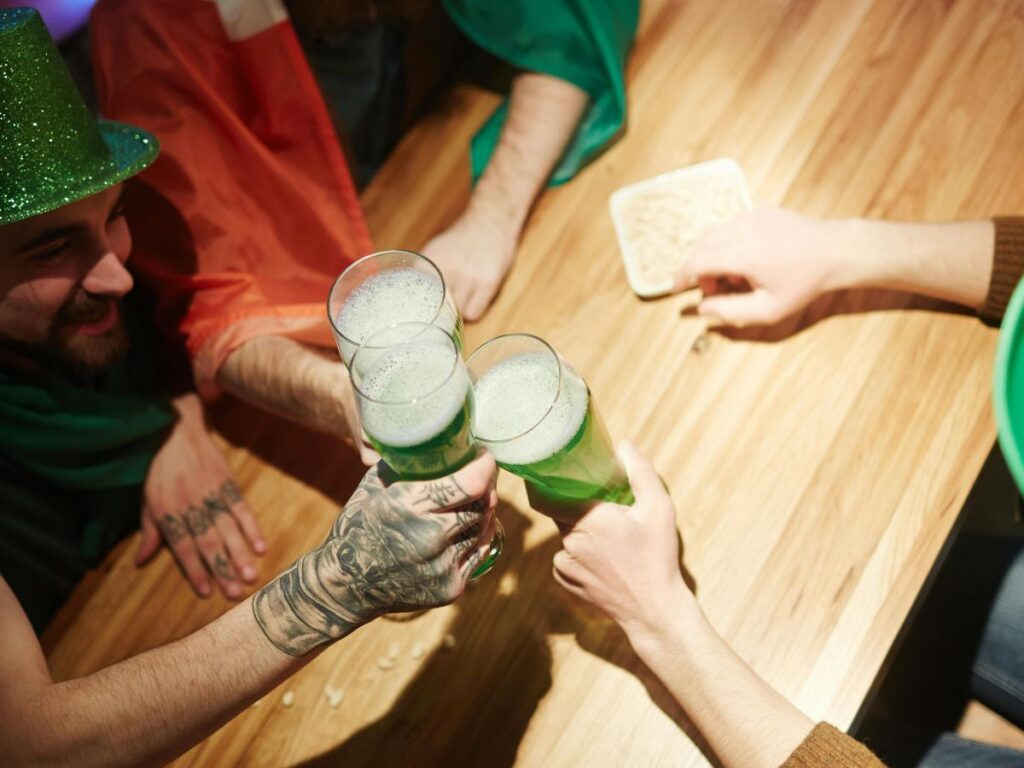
(232, 495)
(476, 539)
(230, 533)
(481, 299)
(183, 547)
(469, 516)
(757, 307)
(367, 454)
(211, 549)
(566, 571)
(643, 477)
(472, 304)
(461, 292)
(713, 254)
(150, 541)
(468, 484)
(479, 550)
(568, 585)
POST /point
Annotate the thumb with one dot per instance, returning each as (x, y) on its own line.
(150, 541)
(757, 307)
(647, 486)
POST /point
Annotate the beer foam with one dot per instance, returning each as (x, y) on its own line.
(421, 393)
(391, 296)
(515, 395)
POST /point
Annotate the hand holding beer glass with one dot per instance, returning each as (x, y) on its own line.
(536, 416)
(416, 403)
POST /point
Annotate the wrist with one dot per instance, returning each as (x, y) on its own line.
(497, 209)
(297, 621)
(668, 624)
(856, 258)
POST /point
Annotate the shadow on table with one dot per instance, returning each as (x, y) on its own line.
(471, 705)
(835, 305)
(317, 459)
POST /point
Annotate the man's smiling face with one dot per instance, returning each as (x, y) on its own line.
(62, 277)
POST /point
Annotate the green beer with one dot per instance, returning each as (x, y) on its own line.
(537, 418)
(384, 289)
(415, 401)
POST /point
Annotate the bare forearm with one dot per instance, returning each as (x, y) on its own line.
(946, 261)
(542, 116)
(154, 706)
(745, 721)
(291, 380)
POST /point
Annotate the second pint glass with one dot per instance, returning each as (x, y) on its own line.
(536, 416)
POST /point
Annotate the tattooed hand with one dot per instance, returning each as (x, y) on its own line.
(397, 546)
(193, 502)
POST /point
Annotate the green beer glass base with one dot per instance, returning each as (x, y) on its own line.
(446, 452)
(497, 544)
(582, 472)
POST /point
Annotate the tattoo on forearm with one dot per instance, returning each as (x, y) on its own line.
(381, 556)
(173, 528)
(198, 520)
(230, 492)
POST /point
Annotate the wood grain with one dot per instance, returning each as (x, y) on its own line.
(818, 469)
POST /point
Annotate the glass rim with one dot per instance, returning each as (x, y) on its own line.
(547, 411)
(425, 327)
(367, 257)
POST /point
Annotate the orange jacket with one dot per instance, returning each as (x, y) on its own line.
(250, 213)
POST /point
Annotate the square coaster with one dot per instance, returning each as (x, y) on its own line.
(658, 220)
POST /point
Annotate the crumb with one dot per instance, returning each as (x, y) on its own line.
(702, 343)
(418, 651)
(507, 584)
(334, 696)
(448, 641)
(288, 699)
(393, 650)
(385, 663)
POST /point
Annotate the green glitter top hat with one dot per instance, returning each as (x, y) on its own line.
(52, 151)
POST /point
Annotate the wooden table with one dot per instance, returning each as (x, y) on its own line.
(818, 471)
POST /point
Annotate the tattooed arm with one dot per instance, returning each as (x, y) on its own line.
(395, 546)
(192, 501)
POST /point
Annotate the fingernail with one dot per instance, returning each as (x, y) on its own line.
(248, 573)
(204, 590)
(234, 590)
(260, 546)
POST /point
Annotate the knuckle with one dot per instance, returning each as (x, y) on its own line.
(456, 591)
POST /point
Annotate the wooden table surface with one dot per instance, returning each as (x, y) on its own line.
(818, 470)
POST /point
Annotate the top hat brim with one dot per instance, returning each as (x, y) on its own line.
(131, 151)
(1008, 386)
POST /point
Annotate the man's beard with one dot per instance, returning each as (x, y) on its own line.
(69, 352)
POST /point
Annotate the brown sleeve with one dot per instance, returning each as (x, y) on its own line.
(826, 747)
(1007, 268)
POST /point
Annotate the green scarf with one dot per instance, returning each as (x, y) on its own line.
(582, 41)
(73, 458)
(80, 437)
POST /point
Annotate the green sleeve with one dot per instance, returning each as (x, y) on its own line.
(582, 41)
